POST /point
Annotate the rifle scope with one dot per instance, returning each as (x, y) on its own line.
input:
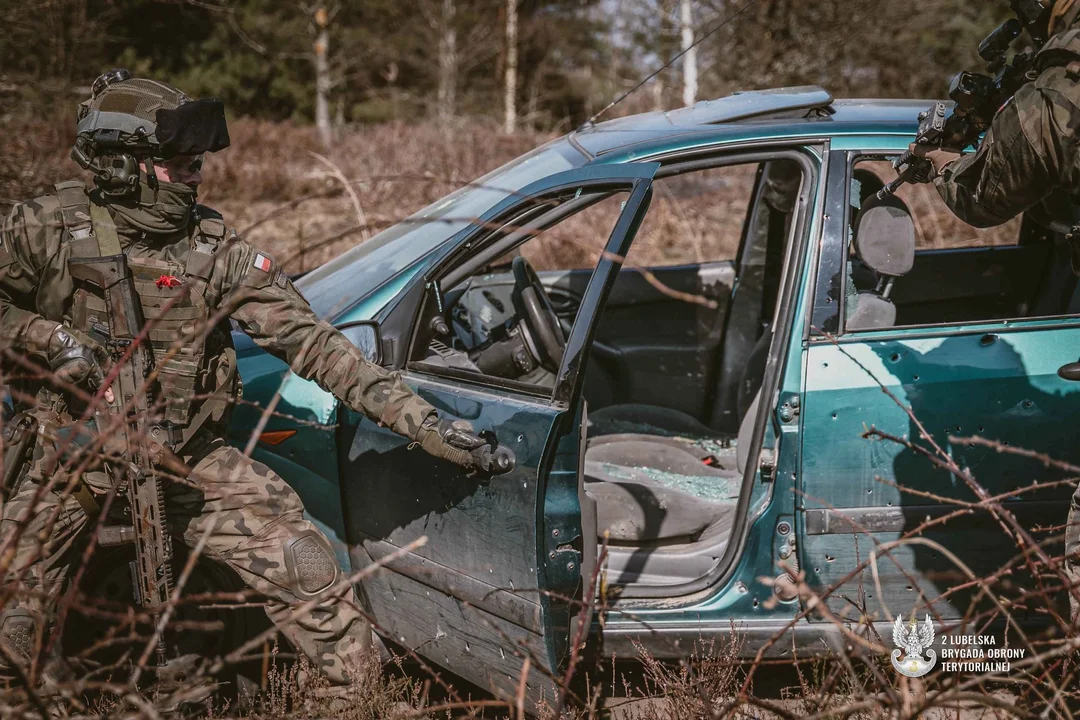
(993, 48)
(971, 90)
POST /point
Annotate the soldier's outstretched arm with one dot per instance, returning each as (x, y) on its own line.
(270, 309)
(1023, 157)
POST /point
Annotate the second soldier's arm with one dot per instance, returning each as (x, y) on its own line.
(29, 236)
(1025, 155)
(23, 247)
(280, 321)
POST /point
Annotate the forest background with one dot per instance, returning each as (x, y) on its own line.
(408, 99)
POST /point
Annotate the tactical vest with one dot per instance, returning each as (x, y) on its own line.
(198, 381)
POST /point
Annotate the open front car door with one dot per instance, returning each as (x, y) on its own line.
(508, 558)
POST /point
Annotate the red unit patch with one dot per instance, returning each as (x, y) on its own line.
(167, 281)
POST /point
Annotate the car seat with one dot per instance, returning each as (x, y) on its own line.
(660, 475)
(668, 477)
(885, 243)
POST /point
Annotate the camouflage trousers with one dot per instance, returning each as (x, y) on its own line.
(258, 530)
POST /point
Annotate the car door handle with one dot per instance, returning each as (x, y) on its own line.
(499, 459)
(1069, 371)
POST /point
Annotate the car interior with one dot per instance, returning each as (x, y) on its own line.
(947, 272)
(675, 368)
(666, 467)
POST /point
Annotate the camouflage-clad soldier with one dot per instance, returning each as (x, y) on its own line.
(189, 274)
(1030, 153)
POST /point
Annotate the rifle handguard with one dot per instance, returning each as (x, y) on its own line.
(20, 437)
(910, 168)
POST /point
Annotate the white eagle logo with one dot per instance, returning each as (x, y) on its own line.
(912, 640)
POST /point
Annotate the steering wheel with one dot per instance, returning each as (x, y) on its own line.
(543, 335)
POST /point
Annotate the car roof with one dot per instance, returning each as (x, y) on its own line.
(807, 112)
(782, 112)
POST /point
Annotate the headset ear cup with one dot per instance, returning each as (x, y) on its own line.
(116, 175)
(130, 173)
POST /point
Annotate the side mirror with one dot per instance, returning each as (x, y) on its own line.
(365, 336)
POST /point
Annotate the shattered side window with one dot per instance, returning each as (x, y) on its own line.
(936, 227)
(950, 272)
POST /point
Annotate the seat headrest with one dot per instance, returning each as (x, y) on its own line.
(872, 312)
(885, 236)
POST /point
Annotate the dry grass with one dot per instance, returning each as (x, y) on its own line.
(34, 154)
(275, 169)
(935, 225)
(395, 170)
(383, 173)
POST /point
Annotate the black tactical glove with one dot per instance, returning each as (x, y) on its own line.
(476, 452)
(927, 161)
(72, 361)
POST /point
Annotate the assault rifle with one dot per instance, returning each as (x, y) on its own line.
(976, 98)
(145, 440)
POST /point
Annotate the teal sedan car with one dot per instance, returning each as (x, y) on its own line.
(681, 324)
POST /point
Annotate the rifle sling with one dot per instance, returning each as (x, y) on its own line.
(215, 406)
(105, 231)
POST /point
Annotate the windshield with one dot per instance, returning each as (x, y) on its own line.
(340, 283)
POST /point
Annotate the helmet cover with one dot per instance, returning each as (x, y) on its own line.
(148, 118)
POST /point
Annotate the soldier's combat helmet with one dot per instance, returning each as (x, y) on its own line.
(129, 119)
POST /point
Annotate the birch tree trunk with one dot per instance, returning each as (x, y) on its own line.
(510, 119)
(448, 61)
(322, 76)
(686, 20)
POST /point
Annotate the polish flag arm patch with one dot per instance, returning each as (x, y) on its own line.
(262, 262)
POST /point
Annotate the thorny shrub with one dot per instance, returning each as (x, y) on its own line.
(714, 680)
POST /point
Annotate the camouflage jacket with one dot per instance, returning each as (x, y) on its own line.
(1031, 149)
(244, 283)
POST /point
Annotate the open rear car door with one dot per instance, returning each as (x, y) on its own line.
(507, 558)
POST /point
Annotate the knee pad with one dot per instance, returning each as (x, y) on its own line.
(311, 565)
(18, 633)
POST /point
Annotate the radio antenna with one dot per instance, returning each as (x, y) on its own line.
(668, 64)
